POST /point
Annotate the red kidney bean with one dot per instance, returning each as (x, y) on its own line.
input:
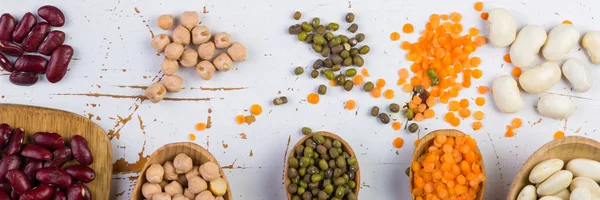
(5, 187)
(4, 196)
(35, 151)
(18, 181)
(79, 191)
(81, 151)
(53, 40)
(59, 62)
(49, 140)
(24, 26)
(31, 63)
(36, 37)
(8, 163)
(81, 173)
(53, 176)
(23, 78)
(52, 15)
(59, 195)
(59, 157)
(5, 133)
(31, 167)
(6, 64)
(10, 48)
(7, 25)
(15, 142)
(41, 192)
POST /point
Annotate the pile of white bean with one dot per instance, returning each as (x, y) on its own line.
(552, 182)
(555, 46)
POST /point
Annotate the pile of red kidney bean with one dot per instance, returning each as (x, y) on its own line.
(36, 170)
(29, 36)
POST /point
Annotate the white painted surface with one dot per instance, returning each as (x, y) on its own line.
(109, 36)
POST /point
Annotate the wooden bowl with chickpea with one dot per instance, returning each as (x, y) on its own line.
(182, 171)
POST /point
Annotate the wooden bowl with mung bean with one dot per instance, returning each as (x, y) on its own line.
(323, 166)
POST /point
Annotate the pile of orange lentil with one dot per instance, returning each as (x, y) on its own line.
(450, 169)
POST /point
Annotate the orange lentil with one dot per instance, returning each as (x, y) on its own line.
(473, 31)
(350, 104)
(475, 61)
(455, 17)
(403, 73)
(405, 45)
(509, 132)
(567, 22)
(255, 109)
(455, 122)
(333, 83)
(401, 81)
(480, 101)
(313, 98)
(430, 102)
(408, 28)
(358, 79)
(429, 113)
(516, 72)
(484, 15)
(192, 137)
(477, 73)
(516, 123)
(482, 89)
(464, 112)
(389, 94)
(478, 6)
(394, 36)
(380, 83)
(398, 142)
(454, 106)
(396, 126)
(240, 119)
(478, 115)
(407, 88)
(444, 17)
(364, 72)
(421, 108)
(449, 116)
(559, 134)
(419, 117)
(376, 92)
(464, 103)
(507, 58)
(200, 126)
(417, 100)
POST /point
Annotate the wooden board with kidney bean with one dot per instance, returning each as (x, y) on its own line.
(35, 170)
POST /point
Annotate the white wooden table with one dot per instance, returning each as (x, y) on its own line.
(113, 60)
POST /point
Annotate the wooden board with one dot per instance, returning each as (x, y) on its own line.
(35, 119)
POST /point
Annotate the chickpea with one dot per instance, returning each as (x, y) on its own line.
(218, 186)
(173, 83)
(190, 19)
(206, 195)
(237, 52)
(222, 62)
(173, 188)
(193, 172)
(155, 173)
(165, 21)
(209, 171)
(200, 34)
(189, 58)
(219, 198)
(205, 70)
(161, 196)
(180, 197)
(222, 40)
(149, 189)
(160, 42)
(181, 35)
(187, 193)
(206, 51)
(174, 51)
(169, 171)
(156, 92)
(169, 67)
(183, 163)
(197, 185)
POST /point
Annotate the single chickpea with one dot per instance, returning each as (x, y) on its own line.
(206, 195)
(180, 197)
(200, 34)
(155, 173)
(209, 171)
(174, 51)
(169, 171)
(222, 40)
(181, 35)
(183, 163)
(161, 196)
(160, 42)
(193, 172)
(222, 62)
(169, 67)
(237, 52)
(205, 70)
(173, 84)
(156, 92)
(173, 188)
(187, 193)
(197, 185)
(206, 51)
(149, 189)
(189, 58)
(218, 186)
(190, 19)
(165, 21)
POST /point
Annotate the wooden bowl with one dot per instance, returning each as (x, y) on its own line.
(167, 153)
(566, 149)
(345, 146)
(37, 119)
(427, 141)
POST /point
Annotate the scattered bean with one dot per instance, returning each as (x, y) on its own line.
(322, 89)
(10, 48)
(31, 63)
(7, 25)
(174, 51)
(374, 111)
(54, 39)
(413, 127)
(353, 28)
(205, 70)
(27, 22)
(223, 62)
(222, 40)
(368, 86)
(348, 85)
(52, 15)
(173, 83)
(56, 69)
(297, 15)
(350, 17)
(298, 70)
(165, 22)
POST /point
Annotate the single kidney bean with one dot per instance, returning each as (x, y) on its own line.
(81, 151)
(23, 78)
(53, 40)
(53, 176)
(3, 195)
(8, 163)
(15, 142)
(79, 191)
(81, 173)
(41, 192)
(36, 37)
(5, 187)
(31, 167)
(6, 64)
(52, 15)
(59, 195)
(7, 25)
(10, 48)
(35, 151)
(5, 133)
(31, 63)
(59, 62)
(59, 157)
(49, 140)
(24, 26)
(18, 181)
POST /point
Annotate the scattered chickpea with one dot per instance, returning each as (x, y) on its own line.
(183, 163)
(174, 51)
(218, 186)
(222, 40)
(156, 92)
(206, 51)
(149, 189)
(180, 197)
(165, 21)
(200, 34)
(206, 195)
(173, 188)
(169, 67)
(205, 70)
(173, 84)
(161, 196)
(181, 35)
(155, 173)
(209, 171)
(193, 172)
(187, 193)
(197, 185)
(223, 62)
(189, 58)
(160, 42)
(190, 19)
(237, 52)
(169, 171)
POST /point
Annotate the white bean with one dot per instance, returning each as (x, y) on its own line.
(591, 43)
(507, 95)
(545, 169)
(550, 198)
(581, 194)
(527, 193)
(555, 106)
(502, 27)
(583, 182)
(585, 167)
(557, 182)
(527, 45)
(540, 78)
(578, 74)
(561, 40)
(563, 194)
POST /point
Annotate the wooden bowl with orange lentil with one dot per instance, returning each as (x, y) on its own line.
(447, 163)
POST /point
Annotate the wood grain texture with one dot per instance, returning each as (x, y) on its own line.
(427, 141)
(345, 146)
(566, 149)
(168, 152)
(37, 119)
